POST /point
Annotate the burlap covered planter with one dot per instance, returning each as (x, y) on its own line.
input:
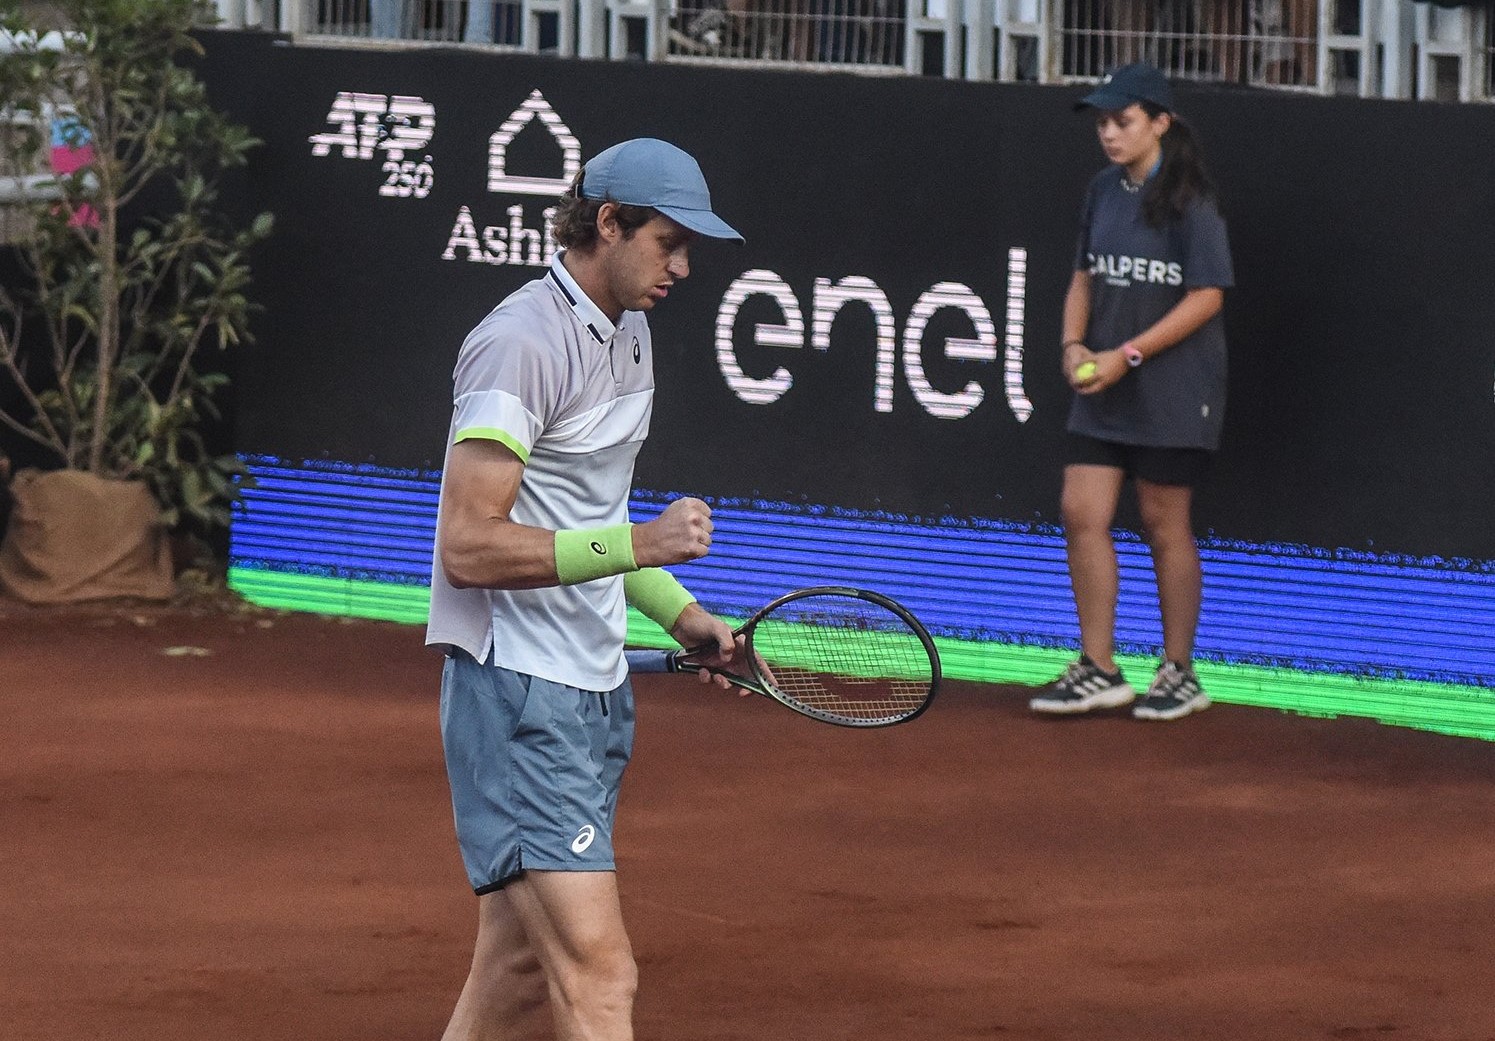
(74, 536)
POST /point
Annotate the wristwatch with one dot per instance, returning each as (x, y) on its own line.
(1133, 356)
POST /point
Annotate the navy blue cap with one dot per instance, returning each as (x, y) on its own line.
(645, 171)
(1129, 85)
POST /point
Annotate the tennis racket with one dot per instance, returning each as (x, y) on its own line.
(840, 655)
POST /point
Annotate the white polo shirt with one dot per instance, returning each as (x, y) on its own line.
(547, 374)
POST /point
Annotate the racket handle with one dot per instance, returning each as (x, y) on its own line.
(651, 661)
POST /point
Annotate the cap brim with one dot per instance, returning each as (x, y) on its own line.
(702, 222)
(1106, 100)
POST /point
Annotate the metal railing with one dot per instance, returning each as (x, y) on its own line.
(429, 21)
(866, 34)
(1453, 53)
(1487, 54)
(1263, 42)
(1388, 48)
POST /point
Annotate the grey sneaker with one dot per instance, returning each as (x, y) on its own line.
(1083, 687)
(1175, 692)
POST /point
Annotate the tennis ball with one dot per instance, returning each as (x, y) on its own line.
(1085, 371)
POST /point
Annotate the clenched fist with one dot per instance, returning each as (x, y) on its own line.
(682, 532)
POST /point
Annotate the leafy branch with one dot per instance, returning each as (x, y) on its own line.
(135, 269)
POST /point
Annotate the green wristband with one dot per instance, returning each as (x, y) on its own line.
(655, 592)
(584, 554)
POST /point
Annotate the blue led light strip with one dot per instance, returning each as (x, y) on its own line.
(1284, 607)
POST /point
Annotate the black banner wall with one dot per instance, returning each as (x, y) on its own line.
(887, 338)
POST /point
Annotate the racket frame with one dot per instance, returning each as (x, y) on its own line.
(759, 684)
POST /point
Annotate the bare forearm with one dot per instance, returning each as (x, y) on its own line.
(1077, 308)
(494, 553)
(1111, 366)
(487, 550)
(1076, 323)
(1184, 319)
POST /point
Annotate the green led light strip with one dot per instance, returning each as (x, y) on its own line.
(1445, 708)
(318, 594)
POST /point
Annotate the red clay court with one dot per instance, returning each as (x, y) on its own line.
(256, 843)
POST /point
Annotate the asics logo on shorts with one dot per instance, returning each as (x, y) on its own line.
(583, 839)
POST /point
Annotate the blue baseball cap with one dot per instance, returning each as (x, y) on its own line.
(648, 172)
(1129, 85)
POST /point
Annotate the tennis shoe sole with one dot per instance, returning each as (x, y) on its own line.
(1111, 697)
(1198, 703)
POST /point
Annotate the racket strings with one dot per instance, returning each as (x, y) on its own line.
(846, 657)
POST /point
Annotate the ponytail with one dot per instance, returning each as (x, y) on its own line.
(1181, 180)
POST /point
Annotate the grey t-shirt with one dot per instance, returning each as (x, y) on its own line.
(1175, 399)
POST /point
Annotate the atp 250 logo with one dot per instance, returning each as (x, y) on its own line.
(391, 124)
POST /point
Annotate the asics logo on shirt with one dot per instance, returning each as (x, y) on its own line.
(1125, 270)
(583, 839)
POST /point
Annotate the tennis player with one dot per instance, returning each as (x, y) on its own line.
(534, 561)
(1144, 350)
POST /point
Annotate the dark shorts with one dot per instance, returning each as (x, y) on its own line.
(534, 768)
(1181, 466)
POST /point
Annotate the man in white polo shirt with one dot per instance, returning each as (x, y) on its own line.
(535, 562)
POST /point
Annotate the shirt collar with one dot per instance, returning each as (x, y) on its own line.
(587, 313)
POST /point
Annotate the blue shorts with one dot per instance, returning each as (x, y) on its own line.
(534, 769)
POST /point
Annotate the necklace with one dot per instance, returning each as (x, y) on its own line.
(1128, 186)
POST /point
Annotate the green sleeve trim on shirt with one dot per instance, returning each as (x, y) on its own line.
(503, 437)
